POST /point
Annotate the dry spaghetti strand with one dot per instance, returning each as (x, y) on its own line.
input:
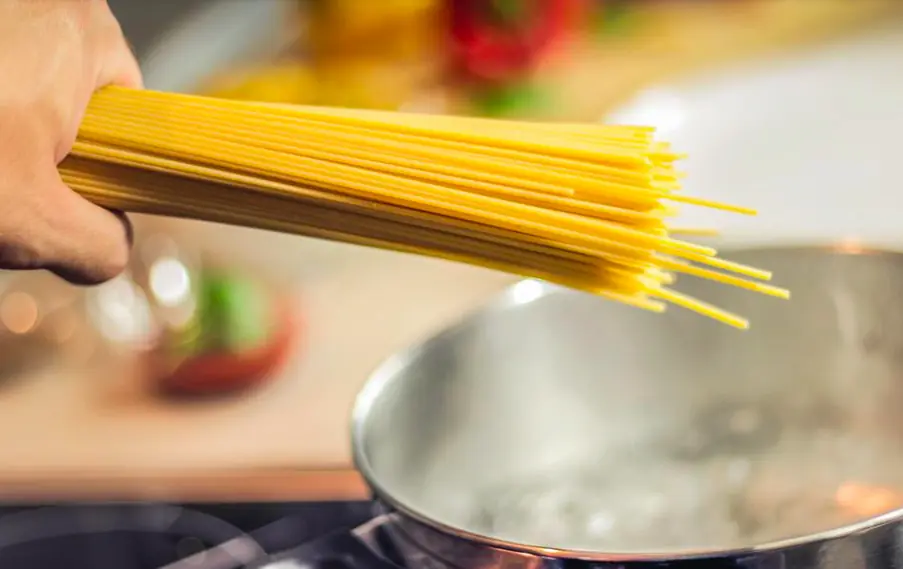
(582, 205)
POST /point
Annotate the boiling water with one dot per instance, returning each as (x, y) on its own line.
(629, 503)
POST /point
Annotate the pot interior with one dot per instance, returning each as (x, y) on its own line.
(558, 419)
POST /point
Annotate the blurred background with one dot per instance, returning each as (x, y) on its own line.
(223, 365)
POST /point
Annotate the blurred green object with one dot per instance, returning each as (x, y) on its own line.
(520, 99)
(508, 12)
(233, 312)
(613, 17)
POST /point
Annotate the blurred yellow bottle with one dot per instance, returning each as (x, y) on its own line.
(372, 54)
(389, 28)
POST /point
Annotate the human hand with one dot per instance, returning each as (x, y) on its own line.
(54, 54)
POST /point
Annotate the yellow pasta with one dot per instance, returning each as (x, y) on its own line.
(585, 206)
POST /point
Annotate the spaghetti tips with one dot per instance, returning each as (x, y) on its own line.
(585, 206)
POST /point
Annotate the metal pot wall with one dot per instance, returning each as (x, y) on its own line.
(554, 426)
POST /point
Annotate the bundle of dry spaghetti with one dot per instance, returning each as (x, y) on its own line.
(582, 205)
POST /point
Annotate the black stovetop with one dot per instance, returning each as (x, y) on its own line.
(172, 536)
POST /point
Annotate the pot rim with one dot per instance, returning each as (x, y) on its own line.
(387, 371)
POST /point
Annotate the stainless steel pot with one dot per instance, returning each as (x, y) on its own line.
(554, 426)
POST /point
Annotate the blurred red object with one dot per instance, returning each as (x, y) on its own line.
(223, 372)
(498, 41)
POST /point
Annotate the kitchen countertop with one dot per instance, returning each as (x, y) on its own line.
(60, 429)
